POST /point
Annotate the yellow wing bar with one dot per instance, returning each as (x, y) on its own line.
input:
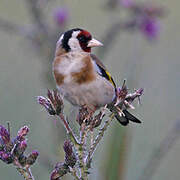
(110, 78)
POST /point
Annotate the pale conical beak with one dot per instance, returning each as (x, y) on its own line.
(94, 43)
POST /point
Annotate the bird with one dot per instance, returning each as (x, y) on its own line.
(81, 78)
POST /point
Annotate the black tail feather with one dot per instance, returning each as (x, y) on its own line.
(130, 117)
(124, 120)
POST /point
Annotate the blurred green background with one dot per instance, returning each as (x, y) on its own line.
(125, 151)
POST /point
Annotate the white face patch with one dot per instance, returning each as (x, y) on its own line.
(74, 43)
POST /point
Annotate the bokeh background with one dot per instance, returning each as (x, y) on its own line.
(146, 54)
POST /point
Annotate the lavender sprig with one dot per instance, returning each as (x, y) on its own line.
(12, 151)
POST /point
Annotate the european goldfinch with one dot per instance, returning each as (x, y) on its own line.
(80, 76)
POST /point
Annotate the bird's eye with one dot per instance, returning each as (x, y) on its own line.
(82, 39)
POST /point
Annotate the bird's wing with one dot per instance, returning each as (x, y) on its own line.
(101, 70)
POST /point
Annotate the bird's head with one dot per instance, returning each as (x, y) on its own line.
(77, 40)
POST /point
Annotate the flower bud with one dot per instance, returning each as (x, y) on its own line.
(1, 144)
(53, 104)
(60, 170)
(126, 3)
(61, 16)
(22, 133)
(58, 102)
(20, 148)
(22, 160)
(47, 104)
(6, 157)
(55, 175)
(4, 134)
(122, 91)
(150, 27)
(70, 158)
(32, 157)
(132, 96)
(68, 148)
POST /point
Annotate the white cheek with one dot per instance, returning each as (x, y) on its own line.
(74, 44)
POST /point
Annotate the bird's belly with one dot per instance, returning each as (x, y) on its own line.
(97, 93)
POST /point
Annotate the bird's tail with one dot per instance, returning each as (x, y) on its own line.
(123, 116)
(122, 102)
(126, 117)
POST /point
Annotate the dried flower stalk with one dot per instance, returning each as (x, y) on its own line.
(78, 152)
(12, 151)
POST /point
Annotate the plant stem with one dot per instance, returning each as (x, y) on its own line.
(84, 162)
(69, 131)
(91, 138)
(97, 140)
(26, 173)
(74, 173)
(78, 146)
(82, 150)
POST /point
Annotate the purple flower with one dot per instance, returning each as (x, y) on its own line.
(68, 148)
(126, 3)
(55, 175)
(6, 157)
(35, 153)
(13, 151)
(43, 101)
(20, 148)
(70, 158)
(46, 104)
(61, 16)
(32, 157)
(60, 170)
(23, 145)
(53, 103)
(5, 136)
(150, 27)
(22, 133)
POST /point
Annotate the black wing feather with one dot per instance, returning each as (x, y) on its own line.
(130, 117)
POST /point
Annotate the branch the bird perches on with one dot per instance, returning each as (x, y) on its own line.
(79, 149)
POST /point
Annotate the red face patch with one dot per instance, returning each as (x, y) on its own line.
(84, 37)
(86, 34)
